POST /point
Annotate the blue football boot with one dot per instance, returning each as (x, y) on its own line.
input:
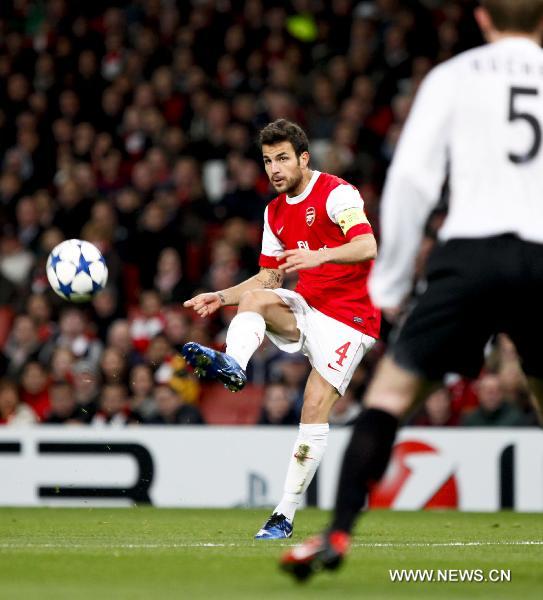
(210, 364)
(277, 527)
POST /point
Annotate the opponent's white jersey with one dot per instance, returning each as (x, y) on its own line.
(480, 115)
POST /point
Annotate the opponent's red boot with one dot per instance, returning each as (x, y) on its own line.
(325, 551)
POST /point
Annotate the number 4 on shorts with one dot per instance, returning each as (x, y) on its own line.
(342, 352)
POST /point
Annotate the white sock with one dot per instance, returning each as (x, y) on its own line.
(306, 457)
(244, 336)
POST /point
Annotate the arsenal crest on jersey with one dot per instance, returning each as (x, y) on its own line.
(310, 215)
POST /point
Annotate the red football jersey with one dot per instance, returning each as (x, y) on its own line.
(310, 221)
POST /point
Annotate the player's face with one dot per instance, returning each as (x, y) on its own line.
(283, 167)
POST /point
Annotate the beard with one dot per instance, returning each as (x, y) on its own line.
(288, 186)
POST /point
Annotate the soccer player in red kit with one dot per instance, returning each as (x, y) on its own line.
(316, 226)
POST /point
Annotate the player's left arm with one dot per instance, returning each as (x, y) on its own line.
(359, 249)
(345, 208)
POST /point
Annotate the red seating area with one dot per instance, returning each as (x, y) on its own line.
(219, 406)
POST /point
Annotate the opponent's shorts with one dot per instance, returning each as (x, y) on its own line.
(476, 288)
(333, 348)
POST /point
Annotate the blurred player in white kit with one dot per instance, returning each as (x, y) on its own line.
(478, 117)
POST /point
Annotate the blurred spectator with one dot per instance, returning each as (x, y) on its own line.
(174, 372)
(61, 364)
(494, 410)
(34, 389)
(438, 410)
(345, 410)
(12, 411)
(172, 410)
(86, 388)
(322, 113)
(106, 311)
(463, 395)
(237, 233)
(148, 321)
(169, 280)
(120, 338)
(177, 327)
(244, 199)
(8, 299)
(200, 332)
(141, 385)
(74, 336)
(112, 406)
(16, 261)
(512, 378)
(362, 374)
(73, 211)
(29, 228)
(515, 388)
(64, 408)
(153, 235)
(223, 270)
(278, 408)
(113, 367)
(39, 310)
(22, 345)
(292, 370)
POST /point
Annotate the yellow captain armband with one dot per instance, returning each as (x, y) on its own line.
(351, 217)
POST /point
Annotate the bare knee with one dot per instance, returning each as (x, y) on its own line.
(257, 300)
(393, 389)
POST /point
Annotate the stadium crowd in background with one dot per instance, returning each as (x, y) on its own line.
(132, 125)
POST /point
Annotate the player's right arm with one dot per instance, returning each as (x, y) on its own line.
(268, 278)
(206, 304)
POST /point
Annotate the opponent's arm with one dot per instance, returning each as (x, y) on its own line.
(413, 186)
(206, 304)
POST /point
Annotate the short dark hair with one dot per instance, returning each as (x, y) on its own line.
(515, 15)
(282, 130)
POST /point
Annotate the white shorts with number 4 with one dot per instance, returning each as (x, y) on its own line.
(333, 348)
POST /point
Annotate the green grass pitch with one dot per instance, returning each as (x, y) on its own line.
(147, 553)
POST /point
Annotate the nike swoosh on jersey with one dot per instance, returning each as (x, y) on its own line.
(279, 231)
(331, 367)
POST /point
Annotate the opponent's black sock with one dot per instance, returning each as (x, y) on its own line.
(364, 462)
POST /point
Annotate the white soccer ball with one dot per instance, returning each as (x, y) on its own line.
(76, 270)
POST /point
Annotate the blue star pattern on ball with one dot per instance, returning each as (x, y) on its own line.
(84, 264)
(55, 259)
(76, 270)
(66, 289)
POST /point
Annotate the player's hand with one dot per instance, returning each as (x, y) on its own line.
(205, 304)
(298, 259)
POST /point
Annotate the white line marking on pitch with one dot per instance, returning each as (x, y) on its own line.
(95, 546)
(447, 544)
